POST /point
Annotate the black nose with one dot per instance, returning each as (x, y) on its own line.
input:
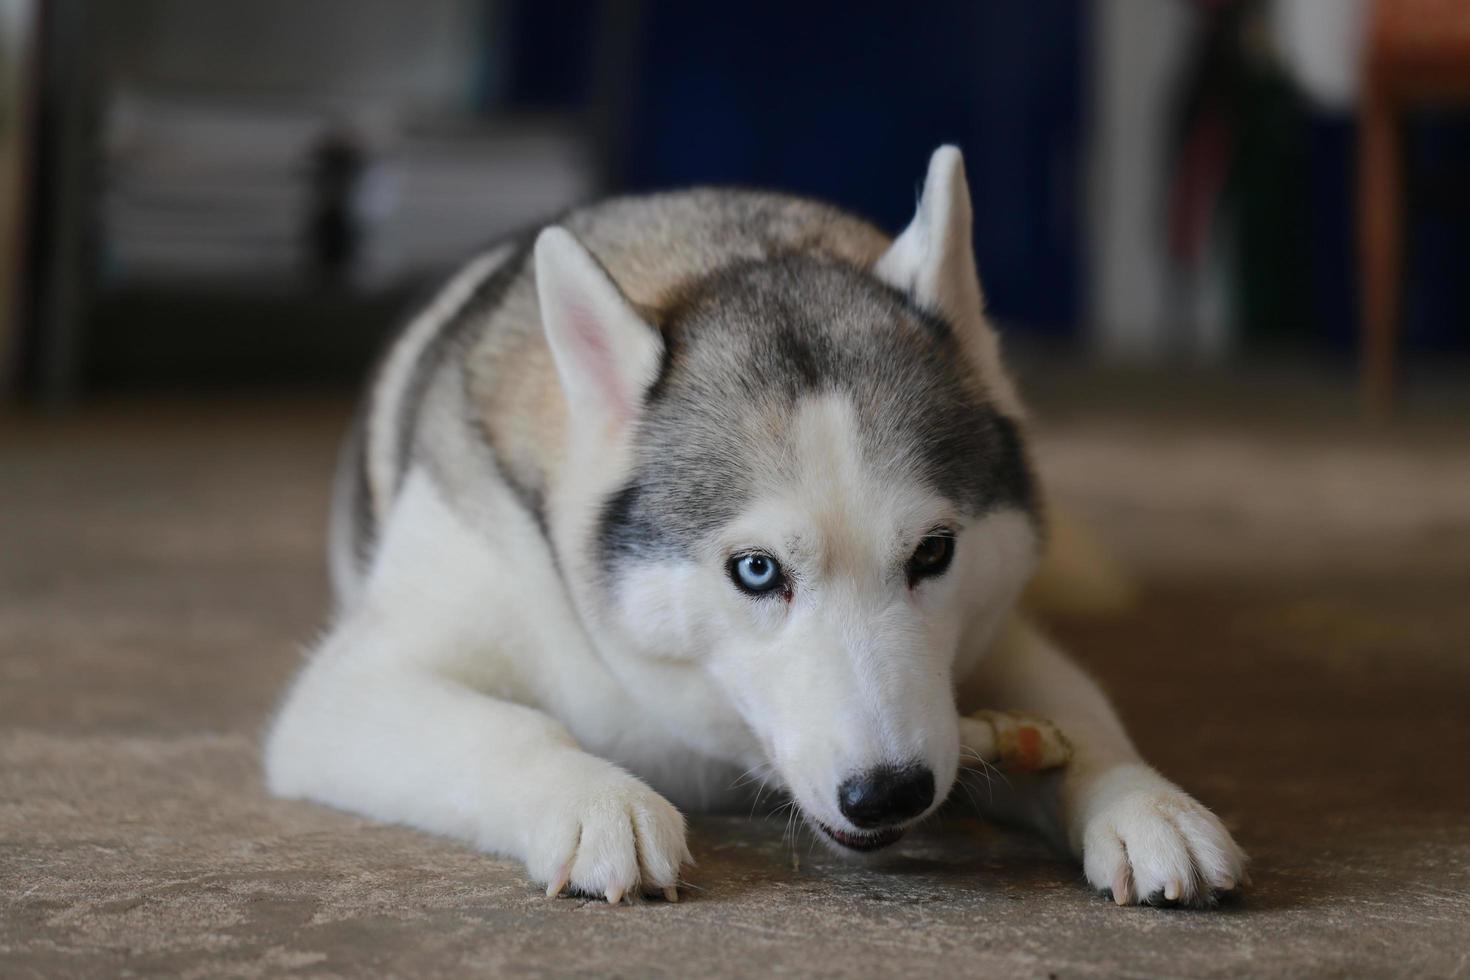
(886, 795)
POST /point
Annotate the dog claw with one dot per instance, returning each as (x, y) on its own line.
(1171, 890)
(1120, 885)
(560, 881)
(671, 894)
(614, 896)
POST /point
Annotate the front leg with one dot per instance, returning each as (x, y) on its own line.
(390, 717)
(368, 730)
(1139, 836)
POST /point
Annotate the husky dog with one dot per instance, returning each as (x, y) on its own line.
(692, 486)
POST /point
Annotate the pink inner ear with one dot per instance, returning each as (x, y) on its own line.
(597, 355)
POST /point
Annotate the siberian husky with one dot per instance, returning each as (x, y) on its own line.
(691, 488)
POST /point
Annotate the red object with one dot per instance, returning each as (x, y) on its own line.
(1417, 51)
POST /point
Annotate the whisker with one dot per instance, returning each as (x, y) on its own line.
(747, 776)
(970, 791)
(778, 810)
(760, 794)
(765, 785)
(986, 768)
(989, 782)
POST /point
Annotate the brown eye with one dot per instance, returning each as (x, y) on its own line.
(931, 557)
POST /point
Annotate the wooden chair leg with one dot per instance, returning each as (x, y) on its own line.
(1380, 244)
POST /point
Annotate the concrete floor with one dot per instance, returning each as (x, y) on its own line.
(1299, 658)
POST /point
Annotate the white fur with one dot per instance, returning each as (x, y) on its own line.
(483, 685)
(415, 708)
(852, 672)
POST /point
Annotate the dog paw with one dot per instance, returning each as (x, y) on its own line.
(615, 839)
(1148, 842)
(1019, 742)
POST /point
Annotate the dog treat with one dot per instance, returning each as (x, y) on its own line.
(1012, 740)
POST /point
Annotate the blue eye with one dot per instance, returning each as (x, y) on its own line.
(756, 573)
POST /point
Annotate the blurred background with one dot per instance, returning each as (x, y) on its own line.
(1227, 244)
(201, 193)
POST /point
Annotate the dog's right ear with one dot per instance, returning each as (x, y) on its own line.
(606, 354)
(933, 260)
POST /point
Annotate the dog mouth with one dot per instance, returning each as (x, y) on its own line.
(862, 840)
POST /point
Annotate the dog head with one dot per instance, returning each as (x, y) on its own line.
(807, 489)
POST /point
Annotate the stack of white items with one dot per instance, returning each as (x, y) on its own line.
(204, 192)
(209, 193)
(438, 195)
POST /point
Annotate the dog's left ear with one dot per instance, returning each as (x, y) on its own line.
(606, 354)
(933, 260)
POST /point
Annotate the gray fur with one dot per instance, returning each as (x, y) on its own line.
(760, 298)
(350, 529)
(752, 340)
(447, 349)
